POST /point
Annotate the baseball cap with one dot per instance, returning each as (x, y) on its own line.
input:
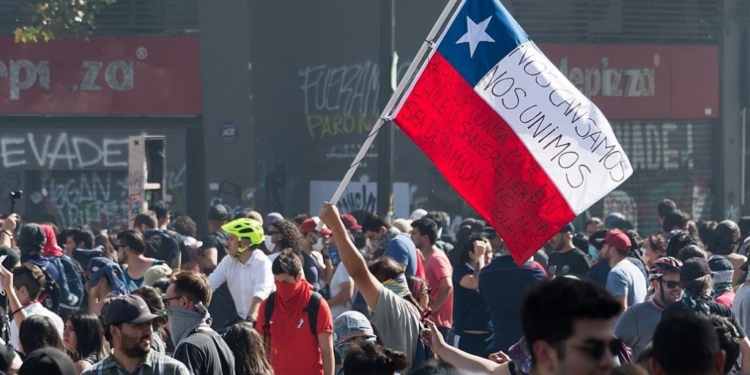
(350, 222)
(155, 273)
(218, 212)
(128, 309)
(612, 218)
(48, 361)
(617, 239)
(694, 268)
(310, 225)
(568, 228)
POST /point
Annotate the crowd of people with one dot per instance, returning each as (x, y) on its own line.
(326, 294)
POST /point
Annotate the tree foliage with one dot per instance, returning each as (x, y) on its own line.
(49, 19)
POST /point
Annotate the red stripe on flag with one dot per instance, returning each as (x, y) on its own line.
(481, 156)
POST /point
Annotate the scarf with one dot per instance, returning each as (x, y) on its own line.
(289, 310)
(722, 288)
(183, 322)
(697, 303)
(398, 285)
(385, 240)
(50, 247)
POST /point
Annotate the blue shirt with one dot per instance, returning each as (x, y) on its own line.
(402, 250)
(503, 284)
(470, 312)
(42, 263)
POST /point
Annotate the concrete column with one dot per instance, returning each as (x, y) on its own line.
(729, 144)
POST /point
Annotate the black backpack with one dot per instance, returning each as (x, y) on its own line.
(50, 297)
(160, 245)
(312, 315)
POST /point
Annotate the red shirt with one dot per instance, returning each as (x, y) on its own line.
(303, 355)
(438, 267)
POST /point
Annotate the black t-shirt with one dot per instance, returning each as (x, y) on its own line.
(218, 240)
(205, 353)
(573, 262)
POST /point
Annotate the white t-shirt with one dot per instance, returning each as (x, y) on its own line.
(340, 276)
(245, 281)
(36, 309)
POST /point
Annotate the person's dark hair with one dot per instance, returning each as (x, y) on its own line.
(678, 242)
(162, 284)
(152, 297)
(570, 300)
(160, 210)
(675, 348)
(692, 228)
(291, 236)
(744, 225)
(726, 239)
(635, 241)
(194, 286)
(437, 217)
(249, 350)
(287, 262)
(435, 367)
(729, 340)
(133, 239)
(665, 207)
(426, 227)
(373, 222)
(675, 219)
(81, 235)
(477, 226)
(468, 247)
(300, 218)
(385, 268)
(185, 226)
(691, 251)
(38, 331)
(463, 234)
(371, 359)
(657, 242)
(593, 220)
(597, 238)
(30, 276)
(101, 238)
(89, 331)
(147, 218)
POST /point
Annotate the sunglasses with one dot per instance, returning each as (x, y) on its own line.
(596, 348)
(670, 284)
(165, 300)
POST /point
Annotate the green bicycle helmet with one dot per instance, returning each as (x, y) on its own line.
(245, 228)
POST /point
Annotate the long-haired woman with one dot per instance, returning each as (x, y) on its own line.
(83, 341)
(249, 350)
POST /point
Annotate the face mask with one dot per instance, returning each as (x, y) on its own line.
(318, 245)
(269, 242)
(183, 322)
(287, 291)
(593, 252)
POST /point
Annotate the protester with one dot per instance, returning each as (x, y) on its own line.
(198, 346)
(638, 323)
(370, 359)
(132, 249)
(249, 351)
(592, 225)
(69, 278)
(36, 332)
(341, 288)
(153, 299)
(23, 287)
(438, 272)
(127, 322)
(83, 339)
(215, 243)
(686, 344)
(350, 328)
(471, 317)
(297, 344)
(391, 243)
(106, 282)
(722, 273)
(624, 281)
(284, 235)
(565, 258)
(246, 270)
(663, 208)
(316, 265)
(158, 243)
(47, 361)
(726, 242)
(655, 247)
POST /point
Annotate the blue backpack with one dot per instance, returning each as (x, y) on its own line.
(70, 285)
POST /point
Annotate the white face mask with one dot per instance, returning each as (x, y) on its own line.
(318, 245)
(269, 243)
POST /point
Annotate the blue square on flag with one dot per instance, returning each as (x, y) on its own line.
(482, 33)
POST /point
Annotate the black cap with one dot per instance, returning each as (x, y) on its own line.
(694, 268)
(31, 238)
(48, 361)
(490, 232)
(218, 212)
(567, 228)
(128, 309)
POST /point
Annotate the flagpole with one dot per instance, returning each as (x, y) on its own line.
(427, 45)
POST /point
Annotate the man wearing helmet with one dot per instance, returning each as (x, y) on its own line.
(245, 269)
(637, 325)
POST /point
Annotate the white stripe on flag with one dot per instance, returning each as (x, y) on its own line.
(567, 134)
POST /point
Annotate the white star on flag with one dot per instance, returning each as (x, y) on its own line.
(475, 34)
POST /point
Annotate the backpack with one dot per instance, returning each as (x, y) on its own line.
(70, 283)
(312, 315)
(160, 245)
(50, 296)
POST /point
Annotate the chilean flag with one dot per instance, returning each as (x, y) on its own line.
(507, 129)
